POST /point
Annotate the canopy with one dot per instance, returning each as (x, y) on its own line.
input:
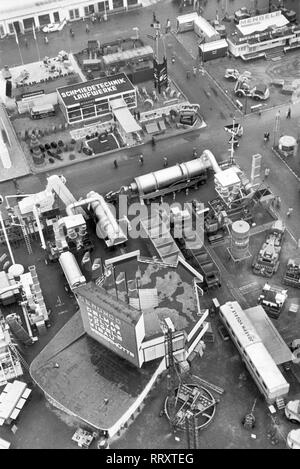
(125, 118)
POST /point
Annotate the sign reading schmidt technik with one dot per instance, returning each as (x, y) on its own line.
(98, 88)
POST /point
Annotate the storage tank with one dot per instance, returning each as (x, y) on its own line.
(240, 239)
(71, 270)
(163, 178)
(107, 227)
(288, 145)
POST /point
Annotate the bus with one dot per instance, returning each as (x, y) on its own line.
(256, 357)
(39, 112)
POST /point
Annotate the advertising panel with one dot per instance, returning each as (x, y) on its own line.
(109, 329)
(160, 74)
(93, 89)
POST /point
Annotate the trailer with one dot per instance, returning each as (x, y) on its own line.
(266, 262)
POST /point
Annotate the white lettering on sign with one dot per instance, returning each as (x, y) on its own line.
(105, 325)
(94, 90)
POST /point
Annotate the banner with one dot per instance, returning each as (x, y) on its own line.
(160, 74)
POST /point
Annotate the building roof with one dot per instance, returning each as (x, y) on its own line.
(15, 8)
(127, 55)
(205, 26)
(95, 90)
(126, 119)
(269, 335)
(175, 294)
(89, 373)
(209, 46)
(262, 22)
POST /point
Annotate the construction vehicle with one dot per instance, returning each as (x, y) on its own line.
(292, 273)
(272, 300)
(266, 263)
(244, 88)
(292, 411)
(231, 74)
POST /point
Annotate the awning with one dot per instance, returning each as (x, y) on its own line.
(126, 120)
(269, 335)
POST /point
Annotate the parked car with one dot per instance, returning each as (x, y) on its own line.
(293, 439)
(292, 411)
(53, 27)
(232, 74)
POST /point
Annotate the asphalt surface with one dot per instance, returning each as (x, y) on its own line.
(100, 175)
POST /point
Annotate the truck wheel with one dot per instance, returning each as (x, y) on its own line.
(293, 421)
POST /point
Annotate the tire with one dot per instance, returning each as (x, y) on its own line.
(294, 421)
(239, 94)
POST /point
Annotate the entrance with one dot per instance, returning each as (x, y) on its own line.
(44, 20)
(28, 22)
(17, 27)
(56, 17)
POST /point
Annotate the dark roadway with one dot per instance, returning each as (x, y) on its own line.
(100, 175)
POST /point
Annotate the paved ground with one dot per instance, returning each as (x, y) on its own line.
(100, 175)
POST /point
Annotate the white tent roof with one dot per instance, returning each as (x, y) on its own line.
(262, 22)
(126, 119)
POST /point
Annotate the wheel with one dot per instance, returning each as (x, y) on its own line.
(294, 421)
(239, 94)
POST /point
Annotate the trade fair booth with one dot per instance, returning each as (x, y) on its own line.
(82, 102)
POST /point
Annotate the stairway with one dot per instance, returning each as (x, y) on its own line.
(272, 54)
(26, 238)
(280, 403)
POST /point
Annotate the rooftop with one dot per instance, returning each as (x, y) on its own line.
(88, 374)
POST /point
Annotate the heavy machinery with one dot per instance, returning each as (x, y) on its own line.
(169, 180)
(292, 411)
(292, 273)
(272, 300)
(243, 88)
(266, 262)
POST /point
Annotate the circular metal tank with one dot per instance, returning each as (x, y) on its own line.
(16, 270)
(166, 177)
(240, 239)
(288, 145)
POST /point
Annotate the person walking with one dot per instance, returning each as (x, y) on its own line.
(289, 212)
(153, 141)
(267, 172)
(87, 29)
(141, 159)
(26, 42)
(194, 71)
(46, 40)
(165, 161)
(115, 163)
(288, 114)
(71, 32)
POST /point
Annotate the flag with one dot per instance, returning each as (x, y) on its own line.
(16, 36)
(33, 31)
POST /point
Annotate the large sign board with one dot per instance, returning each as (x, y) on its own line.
(160, 74)
(103, 325)
(93, 89)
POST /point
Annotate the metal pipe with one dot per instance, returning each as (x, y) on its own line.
(6, 239)
(80, 203)
(37, 218)
(207, 154)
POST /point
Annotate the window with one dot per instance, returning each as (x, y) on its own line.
(27, 23)
(44, 19)
(56, 17)
(89, 10)
(132, 2)
(74, 14)
(11, 28)
(1, 31)
(101, 6)
(118, 3)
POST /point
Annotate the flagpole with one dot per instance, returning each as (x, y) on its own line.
(17, 41)
(36, 43)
